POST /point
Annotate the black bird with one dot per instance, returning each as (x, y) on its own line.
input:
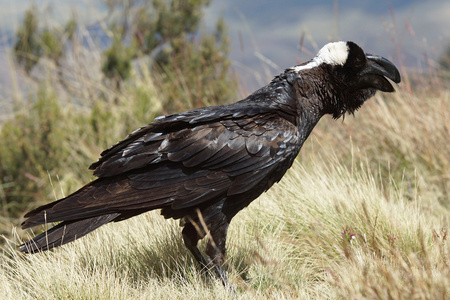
(203, 166)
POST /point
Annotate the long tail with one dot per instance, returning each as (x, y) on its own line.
(65, 232)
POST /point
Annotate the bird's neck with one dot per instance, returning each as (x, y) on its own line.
(301, 103)
(298, 102)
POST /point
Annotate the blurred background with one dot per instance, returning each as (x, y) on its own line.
(265, 37)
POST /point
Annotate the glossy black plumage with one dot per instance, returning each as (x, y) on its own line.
(215, 160)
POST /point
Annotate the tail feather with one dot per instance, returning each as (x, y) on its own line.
(64, 233)
(50, 216)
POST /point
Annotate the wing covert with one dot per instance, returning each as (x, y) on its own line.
(193, 165)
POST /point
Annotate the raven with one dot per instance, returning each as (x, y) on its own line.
(205, 165)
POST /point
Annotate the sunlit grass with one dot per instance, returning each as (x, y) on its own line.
(287, 244)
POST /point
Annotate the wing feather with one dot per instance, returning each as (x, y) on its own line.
(181, 169)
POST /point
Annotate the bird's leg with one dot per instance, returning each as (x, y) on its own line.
(215, 250)
(191, 236)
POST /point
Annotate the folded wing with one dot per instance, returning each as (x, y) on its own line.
(178, 169)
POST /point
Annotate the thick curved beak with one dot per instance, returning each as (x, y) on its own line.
(377, 70)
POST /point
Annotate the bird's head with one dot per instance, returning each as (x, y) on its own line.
(349, 76)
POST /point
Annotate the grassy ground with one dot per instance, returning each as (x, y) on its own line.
(362, 214)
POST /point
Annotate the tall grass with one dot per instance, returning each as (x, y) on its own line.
(362, 214)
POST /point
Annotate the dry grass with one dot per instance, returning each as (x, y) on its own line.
(363, 214)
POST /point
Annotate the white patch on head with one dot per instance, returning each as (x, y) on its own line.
(332, 53)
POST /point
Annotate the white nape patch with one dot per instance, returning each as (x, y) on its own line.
(332, 53)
